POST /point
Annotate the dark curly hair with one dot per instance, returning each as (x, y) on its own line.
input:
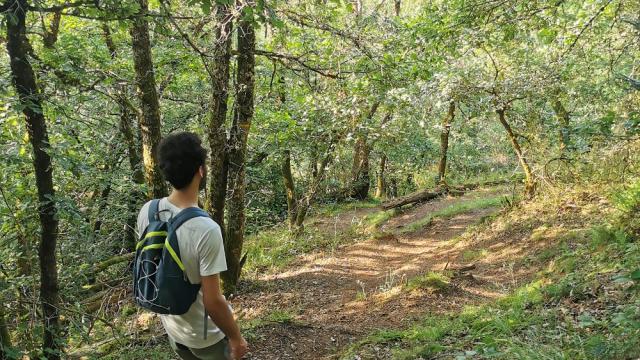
(179, 156)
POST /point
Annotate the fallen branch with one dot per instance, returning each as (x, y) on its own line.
(105, 264)
(420, 196)
(440, 190)
(105, 285)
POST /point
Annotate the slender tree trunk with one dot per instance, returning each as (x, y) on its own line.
(563, 120)
(148, 97)
(24, 81)
(292, 200)
(304, 203)
(530, 183)
(398, 5)
(360, 180)
(360, 169)
(380, 183)
(127, 117)
(5, 337)
(243, 115)
(313, 163)
(444, 142)
(217, 134)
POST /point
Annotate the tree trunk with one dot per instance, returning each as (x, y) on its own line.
(292, 200)
(397, 4)
(360, 181)
(127, 117)
(313, 163)
(5, 337)
(420, 196)
(51, 34)
(563, 121)
(380, 183)
(24, 81)
(148, 96)
(243, 115)
(444, 142)
(217, 134)
(530, 184)
(360, 169)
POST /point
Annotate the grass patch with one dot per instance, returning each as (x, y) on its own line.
(472, 255)
(431, 280)
(374, 221)
(453, 210)
(250, 329)
(275, 248)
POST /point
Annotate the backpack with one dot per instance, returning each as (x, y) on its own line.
(159, 281)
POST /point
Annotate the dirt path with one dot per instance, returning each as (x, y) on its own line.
(338, 298)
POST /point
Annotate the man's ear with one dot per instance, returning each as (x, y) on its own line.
(201, 170)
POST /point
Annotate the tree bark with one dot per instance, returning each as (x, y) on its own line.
(5, 337)
(380, 183)
(24, 81)
(243, 115)
(148, 97)
(360, 180)
(563, 121)
(530, 183)
(292, 200)
(127, 117)
(217, 133)
(397, 5)
(444, 142)
(51, 34)
(360, 169)
(420, 196)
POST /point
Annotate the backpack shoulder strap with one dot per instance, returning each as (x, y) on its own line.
(184, 215)
(153, 210)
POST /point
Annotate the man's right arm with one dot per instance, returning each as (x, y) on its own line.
(218, 309)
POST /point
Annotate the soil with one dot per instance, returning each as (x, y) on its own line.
(339, 297)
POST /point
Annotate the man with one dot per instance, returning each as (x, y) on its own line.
(194, 335)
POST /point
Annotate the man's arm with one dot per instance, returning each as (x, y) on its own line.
(216, 306)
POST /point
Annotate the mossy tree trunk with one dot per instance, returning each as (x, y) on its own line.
(149, 103)
(130, 137)
(243, 115)
(444, 142)
(360, 180)
(289, 185)
(563, 121)
(380, 182)
(530, 183)
(217, 133)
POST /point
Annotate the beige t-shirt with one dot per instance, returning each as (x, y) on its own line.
(202, 253)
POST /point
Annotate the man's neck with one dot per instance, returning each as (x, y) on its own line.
(184, 198)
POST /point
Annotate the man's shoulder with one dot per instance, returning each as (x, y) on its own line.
(145, 207)
(202, 224)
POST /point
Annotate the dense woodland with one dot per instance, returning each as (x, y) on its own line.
(304, 106)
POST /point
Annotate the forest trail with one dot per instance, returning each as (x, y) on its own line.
(334, 299)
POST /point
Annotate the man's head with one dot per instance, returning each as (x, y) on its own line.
(181, 158)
